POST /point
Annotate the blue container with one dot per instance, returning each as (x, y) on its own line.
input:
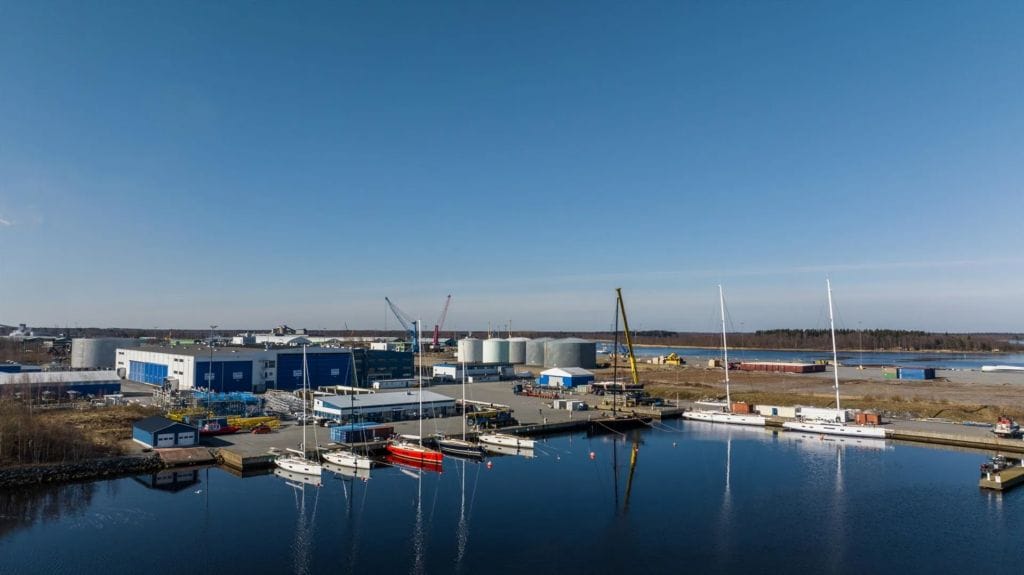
(918, 373)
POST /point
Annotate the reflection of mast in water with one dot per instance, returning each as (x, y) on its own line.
(632, 469)
(302, 548)
(462, 531)
(634, 453)
(727, 501)
(417, 533)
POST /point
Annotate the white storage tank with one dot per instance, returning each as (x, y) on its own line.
(471, 350)
(535, 351)
(517, 350)
(495, 350)
(570, 352)
(98, 352)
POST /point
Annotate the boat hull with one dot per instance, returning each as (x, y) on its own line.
(460, 447)
(835, 429)
(415, 453)
(346, 459)
(723, 417)
(299, 465)
(506, 440)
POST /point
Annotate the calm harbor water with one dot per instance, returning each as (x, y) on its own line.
(701, 497)
(877, 358)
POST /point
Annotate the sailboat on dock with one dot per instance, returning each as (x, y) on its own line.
(298, 461)
(725, 416)
(838, 427)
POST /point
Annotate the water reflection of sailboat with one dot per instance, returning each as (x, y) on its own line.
(302, 552)
(348, 472)
(462, 529)
(508, 450)
(299, 478)
(824, 443)
(412, 464)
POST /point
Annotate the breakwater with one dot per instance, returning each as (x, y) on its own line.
(106, 468)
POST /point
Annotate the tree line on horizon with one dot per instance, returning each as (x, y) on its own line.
(782, 338)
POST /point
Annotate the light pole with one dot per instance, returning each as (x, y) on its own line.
(860, 343)
(209, 369)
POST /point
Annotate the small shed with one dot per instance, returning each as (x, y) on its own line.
(565, 377)
(158, 431)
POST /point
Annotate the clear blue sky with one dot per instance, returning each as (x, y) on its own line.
(176, 164)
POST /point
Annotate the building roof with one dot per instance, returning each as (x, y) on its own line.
(567, 372)
(228, 352)
(392, 398)
(58, 377)
(156, 423)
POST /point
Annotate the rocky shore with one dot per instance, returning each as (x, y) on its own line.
(24, 476)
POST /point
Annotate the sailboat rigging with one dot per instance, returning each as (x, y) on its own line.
(839, 427)
(411, 449)
(727, 416)
(298, 461)
(461, 446)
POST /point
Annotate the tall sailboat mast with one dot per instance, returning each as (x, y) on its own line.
(725, 350)
(463, 402)
(305, 396)
(419, 411)
(835, 355)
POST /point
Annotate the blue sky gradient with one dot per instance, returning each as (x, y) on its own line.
(176, 164)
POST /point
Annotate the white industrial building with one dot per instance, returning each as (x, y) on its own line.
(390, 406)
(474, 372)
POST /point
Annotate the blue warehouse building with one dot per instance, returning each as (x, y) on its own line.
(565, 377)
(235, 369)
(158, 432)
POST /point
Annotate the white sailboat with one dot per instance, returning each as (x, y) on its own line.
(297, 461)
(506, 440)
(837, 427)
(726, 416)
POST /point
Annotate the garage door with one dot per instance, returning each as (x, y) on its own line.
(186, 438)
(165, 440)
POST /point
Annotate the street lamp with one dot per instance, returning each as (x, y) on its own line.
(209, 369)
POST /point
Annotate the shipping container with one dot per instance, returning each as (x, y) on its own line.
(740, 407)
(781, 367)
(776, 410)
(917, 373)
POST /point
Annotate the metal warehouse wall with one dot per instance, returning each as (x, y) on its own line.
(145, 372)
(227, 375)
(324, 369)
